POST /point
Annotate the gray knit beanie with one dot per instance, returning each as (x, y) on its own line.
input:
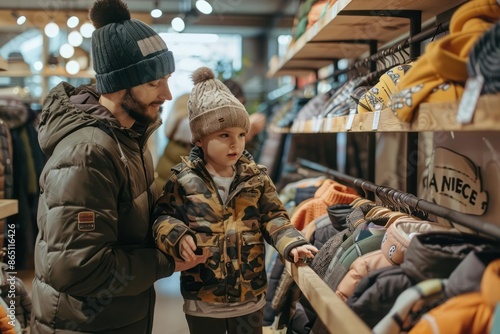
(212, 106)
(126, 52)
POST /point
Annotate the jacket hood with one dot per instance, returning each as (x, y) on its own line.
(437, 254)
(67, 109)
(468, 274)
(197, 153)
(245, 166)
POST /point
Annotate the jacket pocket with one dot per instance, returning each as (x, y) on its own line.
(248, 197)
(211, 242)
(252, 255)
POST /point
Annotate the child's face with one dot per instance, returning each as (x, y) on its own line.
(223, 148)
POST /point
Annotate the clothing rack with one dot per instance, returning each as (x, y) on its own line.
(406, 200)
(399, 47)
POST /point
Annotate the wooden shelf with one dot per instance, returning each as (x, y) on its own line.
(322, 43)
(8, 207)
(16, 74)
(48, 73)
(429, 117)
(61, 72)
(277, 129)
(442, 116)
(332, 311)
(361, 123)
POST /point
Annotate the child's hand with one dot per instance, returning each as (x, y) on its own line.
(187, 247)
(185, 265)
(304, 253)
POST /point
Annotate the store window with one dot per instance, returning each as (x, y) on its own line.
(222, 53)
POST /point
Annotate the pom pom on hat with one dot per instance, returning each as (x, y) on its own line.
(106, 12)
(202, 74)
(212, 106)
(125, 52)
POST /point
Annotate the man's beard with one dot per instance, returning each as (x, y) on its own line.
(136, 109)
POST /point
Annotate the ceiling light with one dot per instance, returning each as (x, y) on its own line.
(72, 22)
(66, 51)
(51, 29)
(72, 67)
(87, 29)
(156, 13)
(75, 38)
(203, 6)
(178, 24)
(38, 65)
(20, 19)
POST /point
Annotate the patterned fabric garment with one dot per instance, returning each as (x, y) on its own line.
(484, 59)
(445, 60)
(233, 231)
(348, 95)
(378, 96)
(409, 305)
(467, 313)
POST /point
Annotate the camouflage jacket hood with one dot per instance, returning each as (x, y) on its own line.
(233, 231)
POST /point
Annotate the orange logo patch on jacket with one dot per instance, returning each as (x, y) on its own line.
(86, 221)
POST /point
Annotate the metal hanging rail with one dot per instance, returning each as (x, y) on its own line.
(403, 198)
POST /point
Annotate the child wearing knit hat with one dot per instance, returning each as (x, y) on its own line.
(217, 208)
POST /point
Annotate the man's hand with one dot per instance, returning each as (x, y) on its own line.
(304, 253)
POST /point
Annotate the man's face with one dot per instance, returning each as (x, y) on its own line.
(143, 102)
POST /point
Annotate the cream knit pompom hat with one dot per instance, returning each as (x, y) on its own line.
(212, 106)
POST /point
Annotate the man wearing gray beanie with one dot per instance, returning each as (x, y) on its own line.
(95, 260)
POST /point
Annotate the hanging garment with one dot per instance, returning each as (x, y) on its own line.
(429, 255)
(329, 193)
(484, 59)
(414, 301)
(467, 313)
(411, 300)
(392, 251)
(378, 96)
(444, 61)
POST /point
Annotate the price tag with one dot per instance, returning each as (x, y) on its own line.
(376, 117)
(348, 125)
(315, 30)
(318, 124)
(468, 103)
(331, 14)
(302, 125)
(335, 9)
(329, 124)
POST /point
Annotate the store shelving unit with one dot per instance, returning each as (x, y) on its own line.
(429, 117)
(351, 29)
(8, 207)
(347, 26)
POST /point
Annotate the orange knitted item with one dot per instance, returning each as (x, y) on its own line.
(328, 194)
(5, 326)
